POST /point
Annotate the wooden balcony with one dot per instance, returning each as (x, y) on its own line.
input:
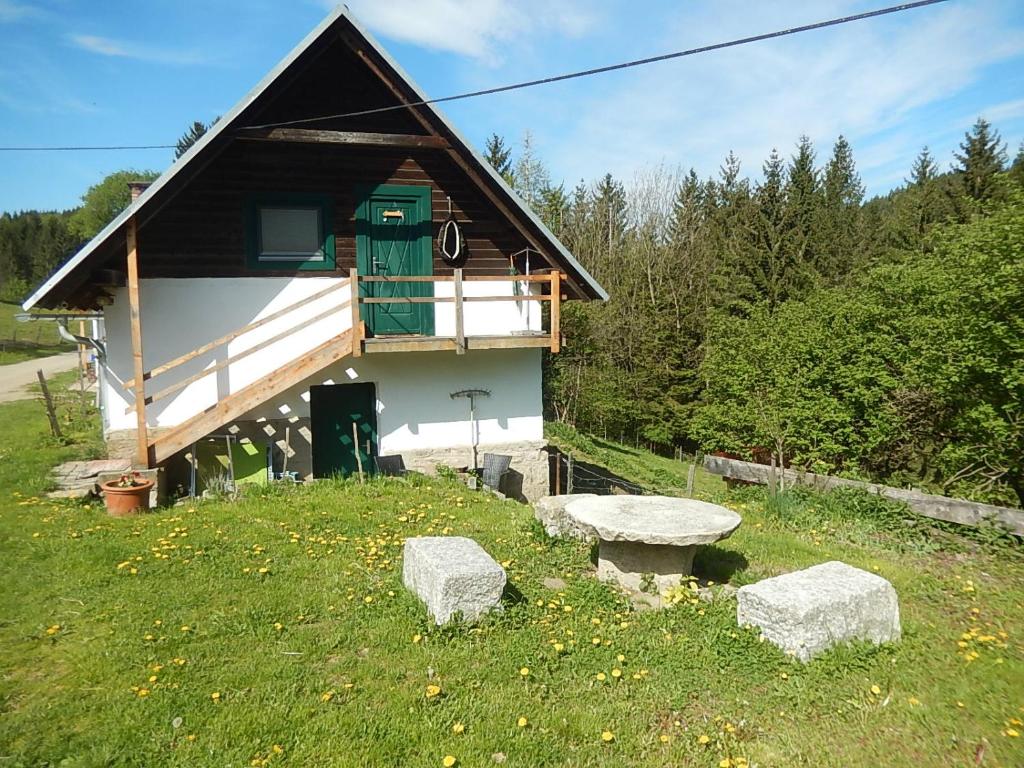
(461, 340)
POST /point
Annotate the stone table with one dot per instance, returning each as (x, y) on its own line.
(647, 543)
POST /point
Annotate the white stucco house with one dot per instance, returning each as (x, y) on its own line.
(227, 285)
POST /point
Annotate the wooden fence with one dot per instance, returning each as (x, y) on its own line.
(936, 507)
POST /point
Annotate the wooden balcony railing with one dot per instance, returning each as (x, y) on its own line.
(551, 338)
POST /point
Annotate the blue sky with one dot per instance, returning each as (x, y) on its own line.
(116, 72)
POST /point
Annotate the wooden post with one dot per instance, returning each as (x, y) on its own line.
(772, 479)
(568, 473)
(690, 476)
(460, 333)
(357, 336)
(556, 310)
(50, 412)
(135, 318)
(355, 447)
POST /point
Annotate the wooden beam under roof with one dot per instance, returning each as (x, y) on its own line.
(351, 138)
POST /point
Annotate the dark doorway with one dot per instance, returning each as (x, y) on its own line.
(333, 409)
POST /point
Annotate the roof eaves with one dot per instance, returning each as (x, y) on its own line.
(183, 162)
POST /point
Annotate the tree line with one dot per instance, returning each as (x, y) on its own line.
(787, 316)
(34, 243)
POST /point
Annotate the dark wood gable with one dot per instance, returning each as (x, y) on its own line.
(200, 231)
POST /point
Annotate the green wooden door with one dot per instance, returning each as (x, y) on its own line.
(393, 239)
(333, 409)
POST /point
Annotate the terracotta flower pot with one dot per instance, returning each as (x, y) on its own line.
(122, 501)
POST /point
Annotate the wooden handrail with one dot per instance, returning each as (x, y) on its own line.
(231, 360)
(228, 337)
(451, 278)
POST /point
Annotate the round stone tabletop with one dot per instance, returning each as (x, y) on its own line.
(654, 519)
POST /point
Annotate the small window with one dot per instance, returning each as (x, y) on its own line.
(290, 232)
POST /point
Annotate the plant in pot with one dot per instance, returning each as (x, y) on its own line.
(126, 495)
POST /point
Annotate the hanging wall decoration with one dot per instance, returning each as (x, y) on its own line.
(450, 244)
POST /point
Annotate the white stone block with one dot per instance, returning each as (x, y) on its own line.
(452, 574)
(809, 611)
(550, 511)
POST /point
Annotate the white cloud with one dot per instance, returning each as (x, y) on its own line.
(105, 46)
(12, 11)
(480, 29)
(100, 45)
(864, 80)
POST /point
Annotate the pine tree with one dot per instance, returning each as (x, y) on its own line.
(499, 156)
(530, 176)
(1017, 167)
(190, 137)
(982, 156)
(924, 169)
(837, 236)
(803, 199)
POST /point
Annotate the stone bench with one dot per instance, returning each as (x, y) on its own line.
(806, 612)
(452, 574)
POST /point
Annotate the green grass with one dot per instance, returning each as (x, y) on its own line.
(27, 341)
(94, 607)
(656, 473)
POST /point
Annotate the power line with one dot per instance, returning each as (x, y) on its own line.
(531, 83)
(612, 67)
(85, 149)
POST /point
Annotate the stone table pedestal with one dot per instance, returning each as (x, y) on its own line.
(647, 543)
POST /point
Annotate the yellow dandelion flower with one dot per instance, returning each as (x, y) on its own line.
(326, 696)
(875, 690)
(522, 722)
(264, 570)
(620, 658)
(152, 678)
(215, 695)
(601, 677)
(616, 673)
(186, 628)
(142, 693)
(607, 737)
(1013, 733)
(913, 701)
(784, 676)
(524, 671)
(277, 749)
(148, 638)
(703, 739)
(559, 647)
(278, 626)
(432, 691)
(725, 762)
(416, 638)
(663, 738)
(458, 728)
(449, 761)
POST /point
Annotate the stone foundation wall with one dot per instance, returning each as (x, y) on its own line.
(527, 478)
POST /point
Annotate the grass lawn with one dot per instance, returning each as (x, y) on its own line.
(27, 341)
(275, 631)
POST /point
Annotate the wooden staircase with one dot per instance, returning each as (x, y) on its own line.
(166, 444)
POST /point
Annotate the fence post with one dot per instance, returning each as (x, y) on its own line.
(50, 412)
(568, 473)
(772, 479)
(690, 476)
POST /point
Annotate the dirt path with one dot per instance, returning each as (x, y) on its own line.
(16, 377)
